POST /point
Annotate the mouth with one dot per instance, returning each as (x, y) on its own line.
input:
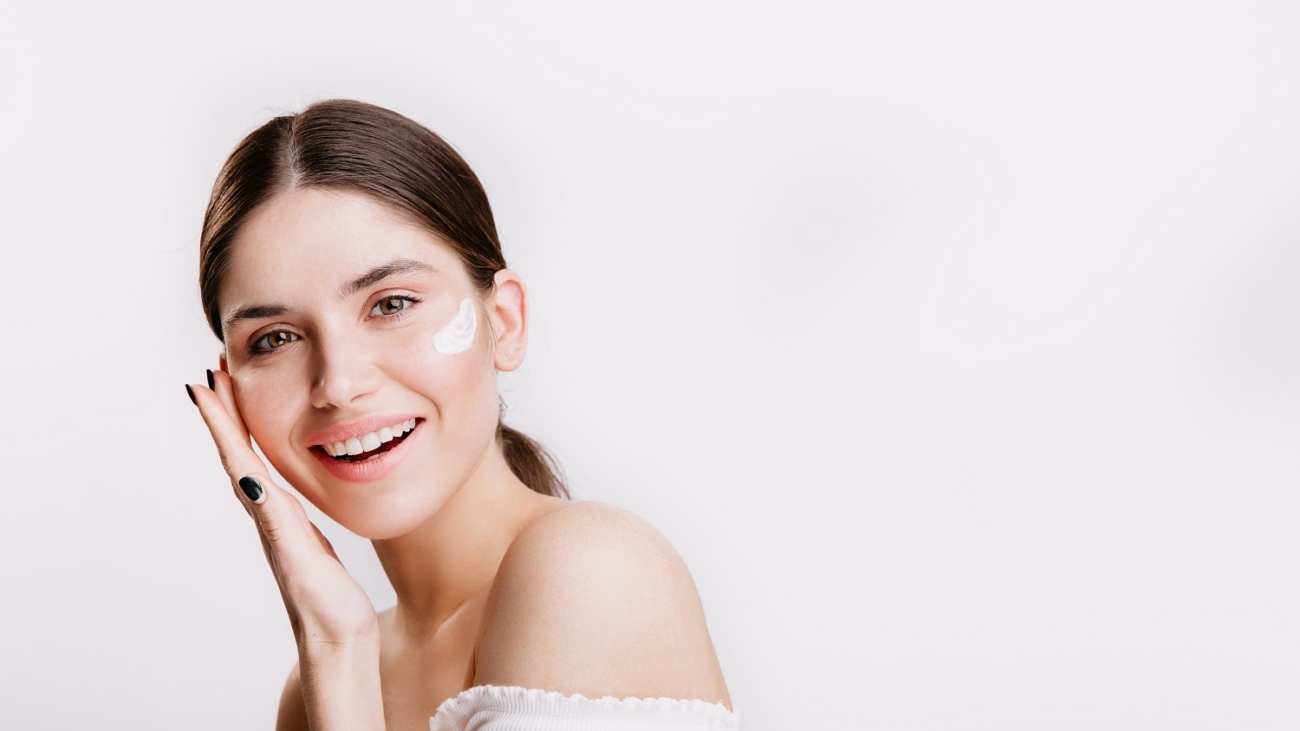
(369, 446)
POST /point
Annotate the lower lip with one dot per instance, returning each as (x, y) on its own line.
(372, 469)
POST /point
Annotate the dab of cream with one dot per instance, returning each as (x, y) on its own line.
(458, 335)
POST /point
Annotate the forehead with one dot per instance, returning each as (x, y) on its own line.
(310, 240)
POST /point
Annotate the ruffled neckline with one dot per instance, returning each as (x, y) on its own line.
(454, 711)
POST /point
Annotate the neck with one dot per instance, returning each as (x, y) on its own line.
(453, 556)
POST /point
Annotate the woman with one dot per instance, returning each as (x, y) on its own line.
(349, 263)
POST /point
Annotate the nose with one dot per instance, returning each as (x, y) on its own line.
(343, 374)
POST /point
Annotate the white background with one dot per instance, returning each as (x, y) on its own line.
(955, 346)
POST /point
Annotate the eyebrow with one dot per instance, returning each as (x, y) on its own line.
(384, 271)
(255, 312)
(377, 274)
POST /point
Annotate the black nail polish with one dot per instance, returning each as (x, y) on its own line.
(251, 487)
(212, 384)
(190, 391)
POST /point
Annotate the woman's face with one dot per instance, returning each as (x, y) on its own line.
(341, 324)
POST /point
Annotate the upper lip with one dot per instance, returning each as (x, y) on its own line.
(356, 428)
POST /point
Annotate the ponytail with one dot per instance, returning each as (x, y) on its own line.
(531, 463)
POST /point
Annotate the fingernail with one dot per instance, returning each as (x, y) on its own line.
(212, 384)
(190, 391)
(251, 487)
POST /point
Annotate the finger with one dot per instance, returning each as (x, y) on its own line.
(287, 534)
(284, 529)
(274, 551)
(277, 571)
(233, 445)
(279, 516)
(222, 385)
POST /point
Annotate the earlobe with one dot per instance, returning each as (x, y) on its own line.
(221, 362)
(509, 315)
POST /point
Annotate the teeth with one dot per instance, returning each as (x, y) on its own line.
(368, 442)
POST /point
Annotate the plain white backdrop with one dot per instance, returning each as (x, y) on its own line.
(955, 346)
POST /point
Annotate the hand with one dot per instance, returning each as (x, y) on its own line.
(327, 608)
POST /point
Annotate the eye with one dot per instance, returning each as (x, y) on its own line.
(389, 306)
(272, 341)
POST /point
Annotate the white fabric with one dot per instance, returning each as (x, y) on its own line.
(512, 708)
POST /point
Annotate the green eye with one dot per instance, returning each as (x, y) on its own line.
(391, 306)
(273, 340)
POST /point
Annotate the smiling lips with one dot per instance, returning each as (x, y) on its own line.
(370, 456)
(369, 446)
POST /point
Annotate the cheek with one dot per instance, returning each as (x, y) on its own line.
(266, 402)
(461, 333)
(451, 365)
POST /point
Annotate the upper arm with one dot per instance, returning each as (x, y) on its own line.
(590, 599)
(293, 710)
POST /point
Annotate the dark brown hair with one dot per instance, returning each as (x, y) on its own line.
(349, 145)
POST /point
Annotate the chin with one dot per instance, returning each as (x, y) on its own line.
(377, 526)
(380, 517)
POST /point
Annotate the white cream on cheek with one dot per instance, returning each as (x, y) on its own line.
(458, 335)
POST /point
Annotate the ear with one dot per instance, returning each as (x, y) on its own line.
(508, 311)
(222, 365)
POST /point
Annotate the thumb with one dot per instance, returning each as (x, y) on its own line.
(280, 518)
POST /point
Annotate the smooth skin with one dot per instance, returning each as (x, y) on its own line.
(495, 584)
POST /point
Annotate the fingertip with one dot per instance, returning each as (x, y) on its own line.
(226, 395)
(212, 384)
(190, 392)
(252, 488)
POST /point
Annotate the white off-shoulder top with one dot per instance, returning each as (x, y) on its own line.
(512, 708)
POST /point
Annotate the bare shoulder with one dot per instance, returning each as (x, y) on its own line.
(591, 599)
(293, 710)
